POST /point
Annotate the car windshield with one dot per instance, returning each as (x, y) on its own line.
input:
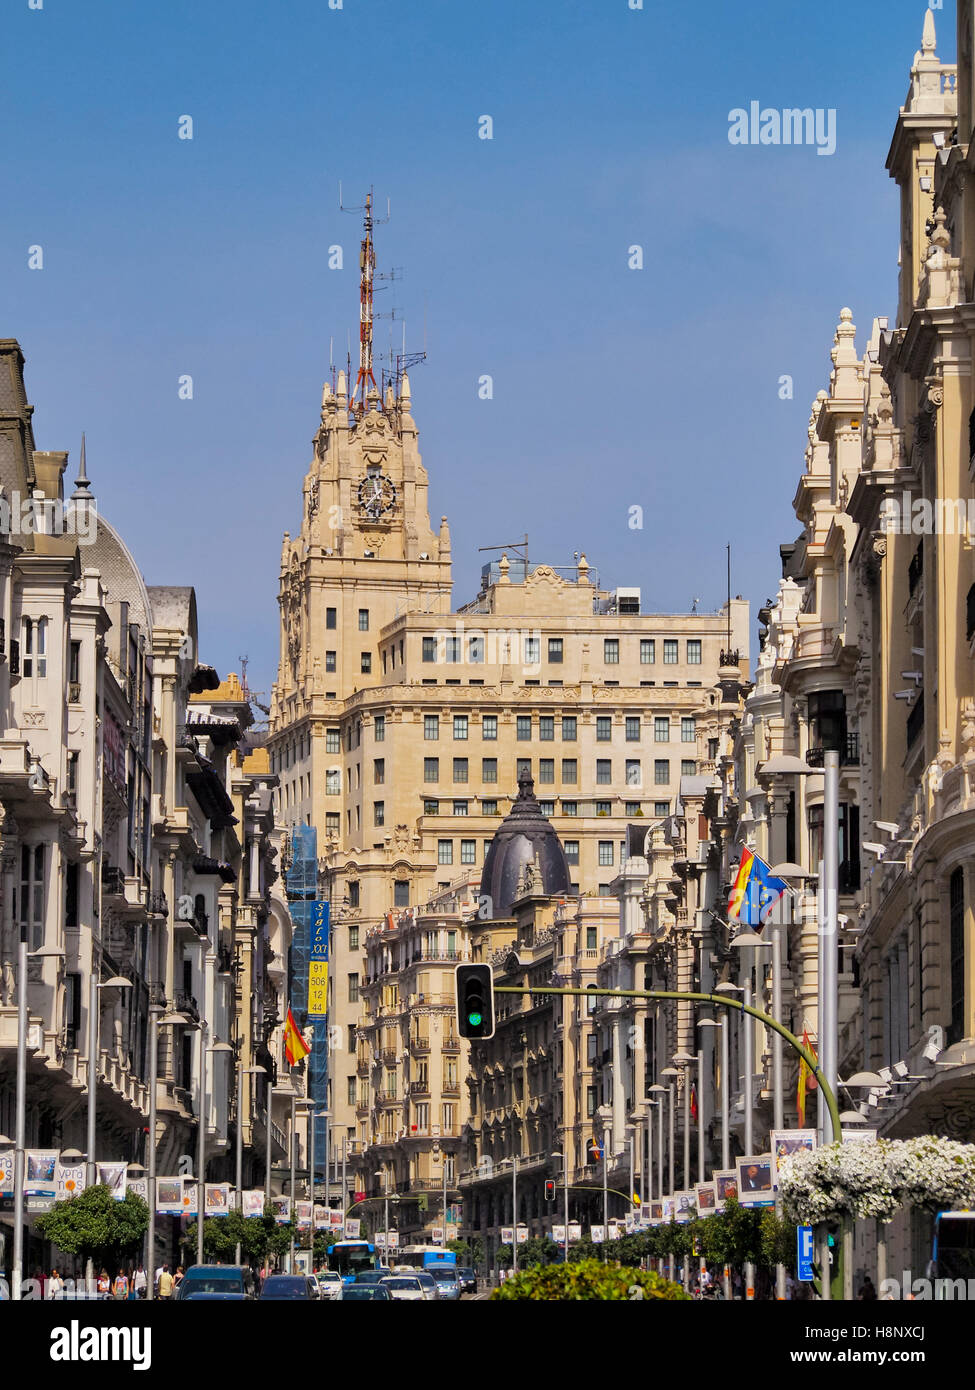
(200, 1283)
(402, 1284)
(284, 1283)
(362, 1293)
(448, 1276)
(370, 1276)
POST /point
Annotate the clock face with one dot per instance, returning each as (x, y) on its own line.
(376, 495)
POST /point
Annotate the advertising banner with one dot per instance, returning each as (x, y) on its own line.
(140, 1186)
(575, 1231)
(352, 1227)
(6, 1174)
(303, 1215)
(597, 1234)
(755, 1180)
(335, 1219)
(558, 1235)
(169, 1196)
(69, 1179)
(507, 1235)
(726, 1185)
(707, 1198)
(253, 1202)
(522, 1234)
(113, 1177)
(39, 1172)
(282, 1210)
(217, 1198)
(785, 1142)
(191, 1197)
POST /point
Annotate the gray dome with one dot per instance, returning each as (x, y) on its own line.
(524, 837)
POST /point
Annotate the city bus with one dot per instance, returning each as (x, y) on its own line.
(953, 1253)
(423, 1256)
(351, 1257)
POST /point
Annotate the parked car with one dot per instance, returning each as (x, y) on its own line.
(468, 1280)
(404, 1288)
(448, 1284)
(216, 1283)
(290, 1287)
(366, 1293)
(330, 1284)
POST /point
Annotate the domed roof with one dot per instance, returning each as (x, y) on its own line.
(525, 837)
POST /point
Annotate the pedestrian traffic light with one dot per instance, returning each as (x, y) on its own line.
(550, 1189)
(475, 1001)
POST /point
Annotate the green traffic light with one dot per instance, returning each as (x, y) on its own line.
(475, 1020)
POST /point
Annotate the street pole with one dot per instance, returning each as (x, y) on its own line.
(240, 1149)
(514, 1213)
(20, 1131)
(151, 1156)
(648, 1185)
(345, 1195)
(93, 1020)
(444, 1171)
(632, 1190)
(267, 1151)
(292, 1138)
(311, 1175)
(386, 1188)
(201, 1142)
(700, 1115)
(829, 981)
(749, 1063)
(565, 1180)
(725, 1097)
(687, 1127)
(671, 1119)
(605, 1187)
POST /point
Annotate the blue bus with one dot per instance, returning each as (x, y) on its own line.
(424, 1256)
(953, 1252)
(351, 1257)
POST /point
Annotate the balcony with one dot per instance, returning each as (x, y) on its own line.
(113, 882)
(419, 1044)
(186, 1004)
(158, 906)
(848, 749)
(450, 1044)
(419, 1088)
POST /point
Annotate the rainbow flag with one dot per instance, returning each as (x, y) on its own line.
(755, 891)
(295, 1047)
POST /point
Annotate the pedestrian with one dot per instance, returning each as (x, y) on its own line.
(103, 1284)
(55, 1284)
(164, 1288)
(140, 1281)
(120, 1286)
(867, 1291)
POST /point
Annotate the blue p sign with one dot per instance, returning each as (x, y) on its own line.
(804, 1254)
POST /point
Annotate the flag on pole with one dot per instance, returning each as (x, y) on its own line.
(694, 1103)
(807, 1081)
(295, 1047)
(755, 891)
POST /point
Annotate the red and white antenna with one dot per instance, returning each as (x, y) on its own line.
(365, 380)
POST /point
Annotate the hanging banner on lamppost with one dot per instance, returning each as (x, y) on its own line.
(169, 1196)
(217, 1198)
(318, 961)
(69, 1179)
(191, 1199)
(113, 1176)
(140, 1186)
(253, 1202)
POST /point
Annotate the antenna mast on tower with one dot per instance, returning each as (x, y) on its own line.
(365, 380)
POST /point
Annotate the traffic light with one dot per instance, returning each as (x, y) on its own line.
(550, 1189)
(475, 1001)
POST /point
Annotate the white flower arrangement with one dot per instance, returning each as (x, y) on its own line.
(873, 1180)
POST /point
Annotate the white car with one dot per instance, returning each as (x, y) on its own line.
(428, 1284)
(330, 1284)
(404, 1288)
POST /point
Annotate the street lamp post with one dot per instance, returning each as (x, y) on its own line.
(565, 1182)
(155, 1023)
(241, 1072)
(661, 1093)
(514, 1213)
(201, 1138)
(384, 1174)
(94, 1016)
(722, 1025)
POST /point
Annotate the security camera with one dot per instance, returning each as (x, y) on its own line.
(887, 826)
(876, 849)
(885, 1074)
(935, 1044)
(901, 1068)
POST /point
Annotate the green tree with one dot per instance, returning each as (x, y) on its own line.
(96, 1226)
(258, 1236)
(470, 1253)
(586, 1280)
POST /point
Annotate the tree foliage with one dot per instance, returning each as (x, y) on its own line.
(95, 1225)
(258, 1236)
(585, 1280)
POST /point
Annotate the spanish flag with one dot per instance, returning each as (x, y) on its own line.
(807, 1081)
(295, 1047)
(755, 891)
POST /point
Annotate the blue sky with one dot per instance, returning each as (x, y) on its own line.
(612, 387)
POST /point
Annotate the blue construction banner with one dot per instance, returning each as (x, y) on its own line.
(309, 963)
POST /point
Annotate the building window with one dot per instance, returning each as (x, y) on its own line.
(688, 729)
(661, 808)
(431, 807)
(379, 770)
(546, 728)
(475, 649)
(353, 938)
(547, 808)
(533, 651)
(611, 651)
(365, 663)
(460, 769)
(688, 767)
(661, 728)
(331, 824)
(330, 618)
(606, 849)
(489, 727)
(353, 989)
(489, 769)
(604, 771)
(670, 652)
(379, 728)
(604, 729)
(555, 649)
(648, 651)
(363, 619)
(429, 649)
(379, 813)
(489, 808)
(604, 808)
(431, 727)
(546, 770)
(523, 769)
(32, 893)
(468, 851)
(524, 728)
(74, 672)
(591, 939)
(401, 892)
(445, 851)
(460, 808)
(330, 661)
(634, 776)
(431, 769)
(350, 1090)
(452, 650)
(570, 770)
(333, 781)
(571, 848)
(570, 808)
(661, 772)
(460, 726)
(633, 728)
(333, 740)
(693, 652)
